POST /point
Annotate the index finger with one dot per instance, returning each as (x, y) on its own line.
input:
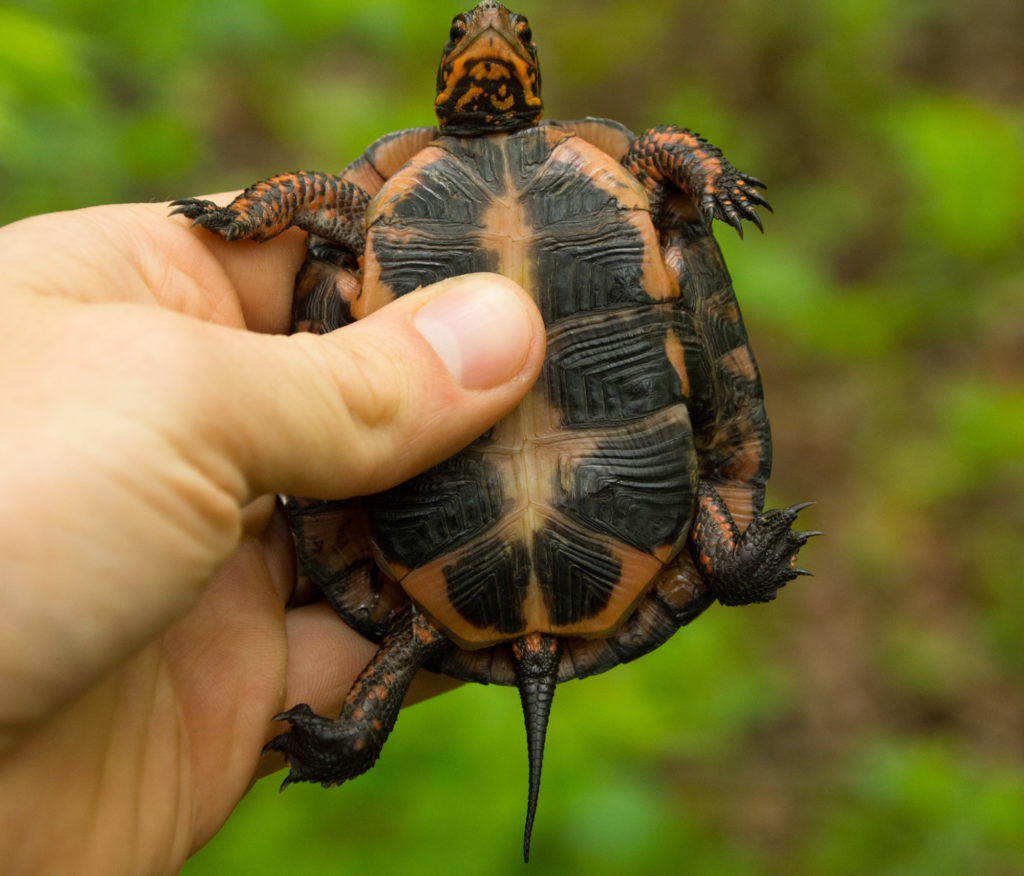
(262, 274)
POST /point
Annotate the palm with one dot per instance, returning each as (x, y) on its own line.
(153, 757)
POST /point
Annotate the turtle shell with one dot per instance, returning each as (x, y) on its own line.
(559, 518)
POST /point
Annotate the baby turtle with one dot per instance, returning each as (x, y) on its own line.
(624, 494)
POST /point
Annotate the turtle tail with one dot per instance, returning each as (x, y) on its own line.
(536, 658)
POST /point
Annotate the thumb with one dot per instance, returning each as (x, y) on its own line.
(369, 405)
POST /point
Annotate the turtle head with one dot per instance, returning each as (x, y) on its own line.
(488, 79)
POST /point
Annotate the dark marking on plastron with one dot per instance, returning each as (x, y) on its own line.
(432, 231)
(701, 395)
(480, 157)
(577, 574)
(435, 512)
(608, 367)
(450, 195)
(488, 586)
(526, 156)
(593, 259)
(407, 265)
(637, 486)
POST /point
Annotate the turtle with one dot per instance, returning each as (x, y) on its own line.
(625, 494)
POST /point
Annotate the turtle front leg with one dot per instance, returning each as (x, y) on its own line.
(668, 157)
(320, 203)
(752, 566)
(329, 752)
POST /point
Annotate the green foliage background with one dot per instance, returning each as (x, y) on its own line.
(872, 720)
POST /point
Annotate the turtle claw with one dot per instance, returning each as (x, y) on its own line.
(679, 158)
(754, 566)
(199, 211)
(330, 752)
(797, 508)
(192, 208)
(734, 198)
(731, 216)
(221, 220)
(321, 750)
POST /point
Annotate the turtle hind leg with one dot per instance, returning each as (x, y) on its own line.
(329, 752)
(741, 568)
(536, 658)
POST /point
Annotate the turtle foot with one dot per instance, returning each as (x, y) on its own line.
(754, 566)
(674, 157)
(221, 220)
(329, 752)
(321, 750)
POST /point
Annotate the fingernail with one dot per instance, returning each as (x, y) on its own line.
(480, 331)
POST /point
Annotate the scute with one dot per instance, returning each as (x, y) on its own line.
(488, 586)
(637, 484)
(579, 573)
(610, 366)
(437, 512)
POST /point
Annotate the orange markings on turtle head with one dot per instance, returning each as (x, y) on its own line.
(488, 78)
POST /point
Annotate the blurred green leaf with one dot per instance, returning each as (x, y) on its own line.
(39, 63)
(964, 163)
(923, 808)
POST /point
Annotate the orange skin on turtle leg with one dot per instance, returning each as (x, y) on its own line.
(320, 203)
(330, 752)
(671, 157)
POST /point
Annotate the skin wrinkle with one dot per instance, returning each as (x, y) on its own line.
(165, 279)
(224, 519)
(90, 461)
(261, 274)
(371, 409)
(193, 391)
(179, 843)
(153, 276)
(360, 387)
(354, 407)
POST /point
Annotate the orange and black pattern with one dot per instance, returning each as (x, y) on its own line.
(669, 157)
(489, 78)
(625, 493)
(320, 203)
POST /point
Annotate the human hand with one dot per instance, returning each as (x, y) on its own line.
(144, 641)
